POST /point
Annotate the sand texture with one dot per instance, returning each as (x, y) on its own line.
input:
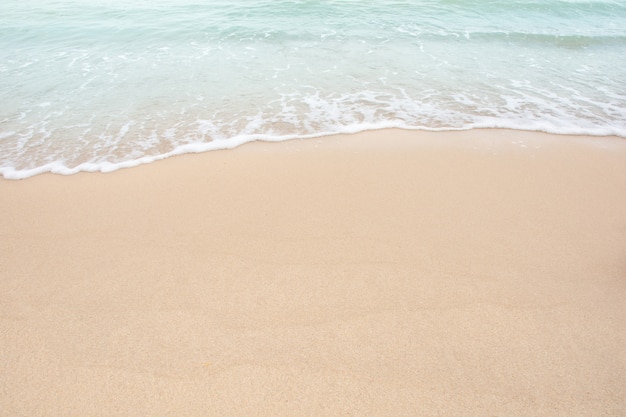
(389, 273)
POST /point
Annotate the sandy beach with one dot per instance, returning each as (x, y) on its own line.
(387, 273)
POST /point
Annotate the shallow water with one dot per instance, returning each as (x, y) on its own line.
(98, 85)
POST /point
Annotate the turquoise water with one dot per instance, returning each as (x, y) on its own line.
(97, 85)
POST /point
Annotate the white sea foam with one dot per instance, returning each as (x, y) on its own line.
(105, 166)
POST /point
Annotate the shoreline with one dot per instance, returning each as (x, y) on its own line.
(387, 272)
(9, 173)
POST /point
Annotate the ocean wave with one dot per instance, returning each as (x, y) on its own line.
(91, 87)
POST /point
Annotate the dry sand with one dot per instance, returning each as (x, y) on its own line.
(389, 273)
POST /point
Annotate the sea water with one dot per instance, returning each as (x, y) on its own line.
(95, 85)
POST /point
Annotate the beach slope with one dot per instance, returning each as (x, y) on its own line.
(388, 273)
